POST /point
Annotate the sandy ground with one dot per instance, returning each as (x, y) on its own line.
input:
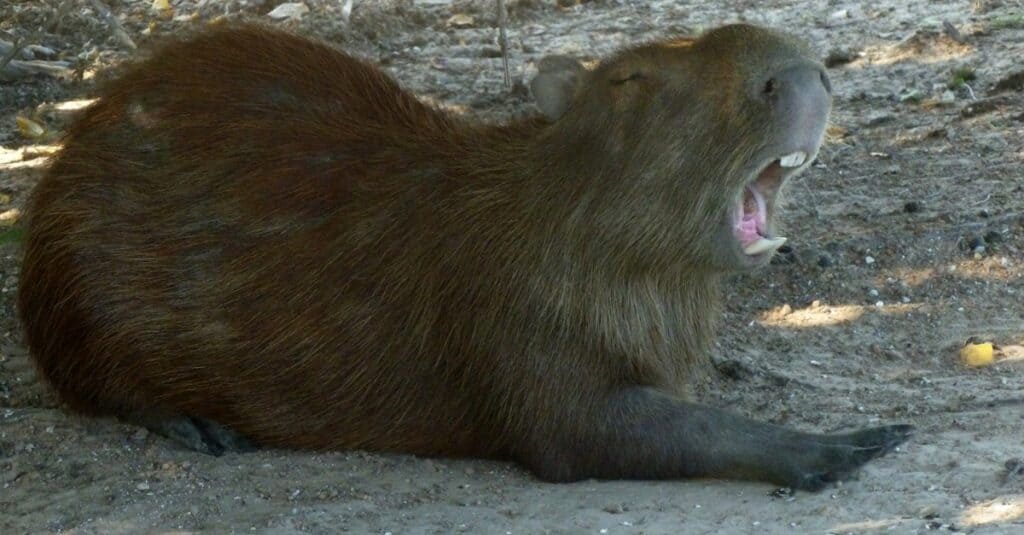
(907, 239)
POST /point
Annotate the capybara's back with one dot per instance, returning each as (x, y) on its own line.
(239, 231)
(255, 237)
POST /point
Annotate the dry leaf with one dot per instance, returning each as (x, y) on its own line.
(30, 128)
(1012, 352)
(836, 132)
(460, 20)
(9, 217)
(289, 10)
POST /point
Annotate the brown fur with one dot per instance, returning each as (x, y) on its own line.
(259, 230)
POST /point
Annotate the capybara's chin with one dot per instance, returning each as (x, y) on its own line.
(256, 238)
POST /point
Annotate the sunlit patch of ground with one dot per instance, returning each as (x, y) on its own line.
(818, 314)
(1001, 510)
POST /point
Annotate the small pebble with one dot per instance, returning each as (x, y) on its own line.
(784, 255)
(614, 509)
(1014, 469)
(837, 57)
(869, 260)
(910, 95)
(142, 486)
(878, 118)
(893, 355)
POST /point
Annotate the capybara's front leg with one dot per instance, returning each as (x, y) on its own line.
(641, 433)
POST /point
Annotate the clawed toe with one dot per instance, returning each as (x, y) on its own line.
(849, 452)
(198, 434)
(881, 440)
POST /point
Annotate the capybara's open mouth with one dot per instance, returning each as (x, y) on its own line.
(751, 213)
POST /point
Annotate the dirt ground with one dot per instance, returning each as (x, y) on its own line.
(906, 240)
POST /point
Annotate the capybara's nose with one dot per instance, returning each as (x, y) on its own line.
(801, 80)
(801, 98)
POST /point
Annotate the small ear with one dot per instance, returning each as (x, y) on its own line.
(555, 84)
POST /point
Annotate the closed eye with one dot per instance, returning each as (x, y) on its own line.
(630, 78)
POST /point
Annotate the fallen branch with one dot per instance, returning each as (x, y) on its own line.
(740, 371)
(27, 52)
(16, 69)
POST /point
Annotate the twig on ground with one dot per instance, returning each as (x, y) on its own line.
(970, 91)
(740, 371)
(12, 50)
(27, 52)
(503, 40)
(115, 26)
(953, 32)
(16, 69)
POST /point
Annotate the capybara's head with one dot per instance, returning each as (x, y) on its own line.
(687, 142)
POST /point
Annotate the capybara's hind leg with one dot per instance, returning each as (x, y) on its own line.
(199, 434)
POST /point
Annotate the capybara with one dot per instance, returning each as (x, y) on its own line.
(253, 238)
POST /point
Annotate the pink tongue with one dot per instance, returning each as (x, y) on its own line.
(746, 231)
(750, 226)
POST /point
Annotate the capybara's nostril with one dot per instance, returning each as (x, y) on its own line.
(770, 87)
(825, 82)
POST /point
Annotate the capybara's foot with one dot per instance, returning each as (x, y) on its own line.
(199, 434)
(839, 456)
